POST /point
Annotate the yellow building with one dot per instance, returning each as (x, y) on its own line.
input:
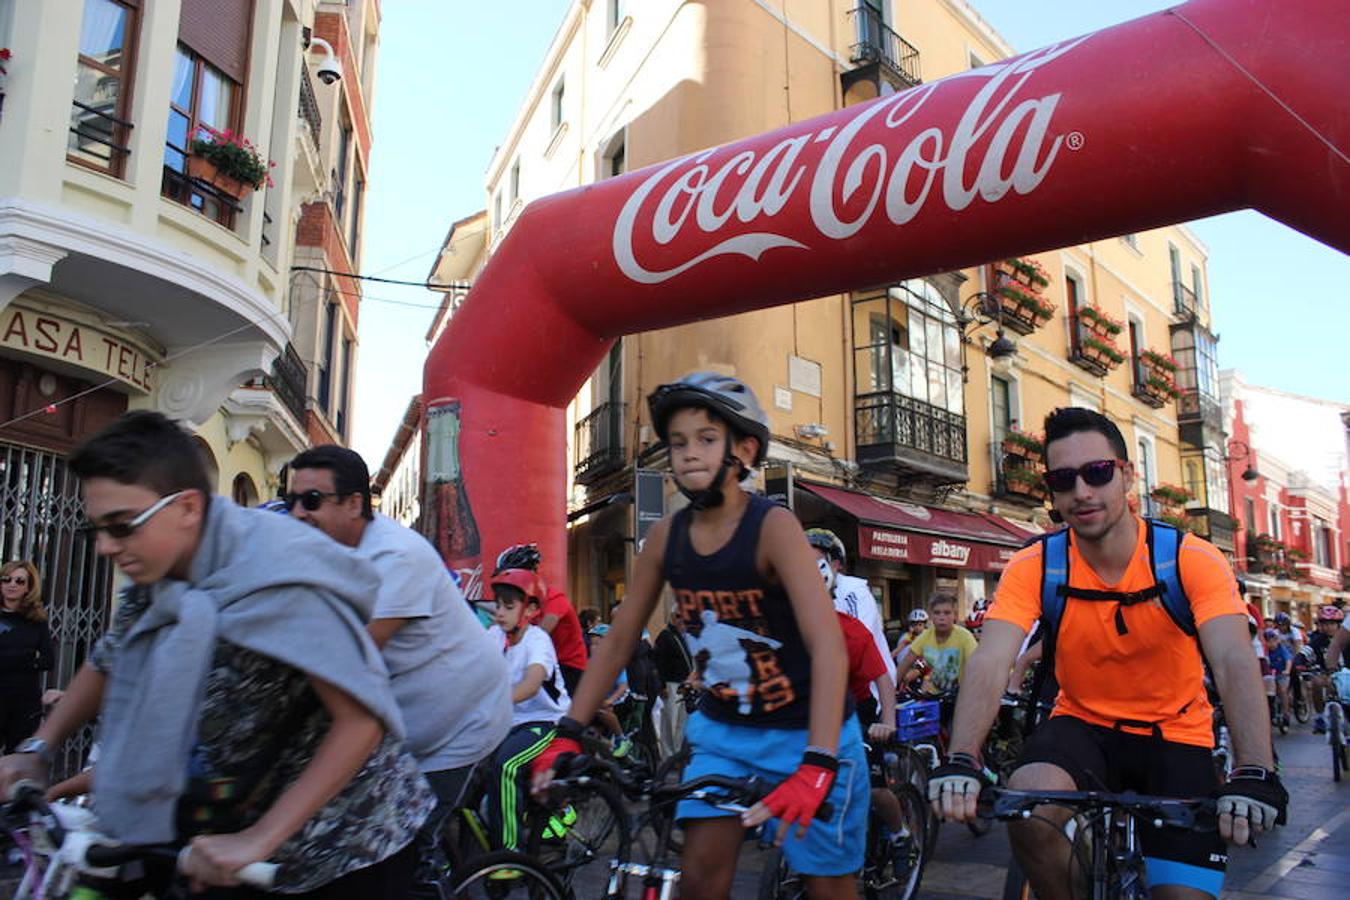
(132, 279)
(891, 420)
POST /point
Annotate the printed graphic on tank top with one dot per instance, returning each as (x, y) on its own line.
(739, 628)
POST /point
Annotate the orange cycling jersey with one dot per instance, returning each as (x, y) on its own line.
(1153, 672)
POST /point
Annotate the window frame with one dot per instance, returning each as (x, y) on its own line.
(121, 137)
(557, 98)
(226, 208)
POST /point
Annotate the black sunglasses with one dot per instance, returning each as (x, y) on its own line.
(1095, 474)
(311, 499)
(13, 579)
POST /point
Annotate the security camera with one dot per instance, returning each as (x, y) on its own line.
(329, 69)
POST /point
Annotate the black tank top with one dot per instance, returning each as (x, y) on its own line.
(740, 629)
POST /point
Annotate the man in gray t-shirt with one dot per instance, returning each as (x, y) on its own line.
(448, 678)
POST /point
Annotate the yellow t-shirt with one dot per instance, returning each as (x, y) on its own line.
(948, 658)
(1154, 672)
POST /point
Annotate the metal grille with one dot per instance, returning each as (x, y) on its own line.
(40, 514)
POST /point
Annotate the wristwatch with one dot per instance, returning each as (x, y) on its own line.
(38, 747)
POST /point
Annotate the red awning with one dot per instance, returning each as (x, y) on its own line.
(898, 531)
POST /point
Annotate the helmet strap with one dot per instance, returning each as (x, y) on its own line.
(712, 496)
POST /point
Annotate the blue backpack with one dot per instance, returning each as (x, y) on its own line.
(1164, 543)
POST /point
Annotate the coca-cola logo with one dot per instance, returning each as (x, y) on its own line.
(895, 175)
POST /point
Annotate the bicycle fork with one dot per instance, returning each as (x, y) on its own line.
(657, 883)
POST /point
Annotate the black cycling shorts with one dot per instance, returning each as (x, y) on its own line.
(1102, 759)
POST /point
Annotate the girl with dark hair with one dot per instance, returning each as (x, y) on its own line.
(25, 651)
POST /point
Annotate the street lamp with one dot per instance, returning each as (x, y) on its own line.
(983, 308)
(1238, 451)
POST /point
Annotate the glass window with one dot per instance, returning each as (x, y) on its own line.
(515, 181)
(1183, 351)
(341, 168)
(907, 341)
(1194, 471)
(616, 12)
(1274, 521)
(1216, 487)
(1207, 364)
(325, 372)
(559, 92)
(200, 96)
(1196, 285)
(1073, 297)
(99, 108)
(1251, 516)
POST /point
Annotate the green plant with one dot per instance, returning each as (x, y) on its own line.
(1293, 554)
(1268, 543)
(1022, 475)
(1103, 348)
(1030, 268)
(1024, 440)
(1164, 386)
(1170, 494)
(1181, 523)
(1159, 360)
(1096, 314)
(234, 155)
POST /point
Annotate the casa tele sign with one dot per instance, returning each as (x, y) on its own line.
(54, 336)
(929, 550)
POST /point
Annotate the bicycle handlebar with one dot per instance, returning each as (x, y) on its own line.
(736, 794)
(1191, 814)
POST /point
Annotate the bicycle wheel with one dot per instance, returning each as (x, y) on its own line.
(777, 881)
(894, 865)
(505, 876)
(1336, 737)
(1302, 709)
(580, 835)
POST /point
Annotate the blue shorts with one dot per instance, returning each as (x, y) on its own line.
(828, 848)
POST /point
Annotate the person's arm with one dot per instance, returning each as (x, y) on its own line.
(905, 662)
(548, 622)
(77, 707)
(381, 630)
(1337, 648)
(977, 704)
(75, 786)
(529, 684)
(1024, 663)
(884, 728)
(1238, 678)
(352, 737)
(612, 656)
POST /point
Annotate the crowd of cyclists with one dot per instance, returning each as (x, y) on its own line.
(322, 698)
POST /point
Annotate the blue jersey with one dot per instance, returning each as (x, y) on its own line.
(1279, 659)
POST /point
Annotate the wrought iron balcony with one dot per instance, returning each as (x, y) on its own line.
(1197, 407)
(1185, 305)
(309, 106)
(910, 435)
(875, 42)
(98, 137)
(1019, 473)
(599, 443)
(287, 381)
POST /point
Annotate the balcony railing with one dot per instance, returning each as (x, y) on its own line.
(98, 137)
(193, 192)
(599, 443)
(309, 106)
(877, 43)
(893, 428)
(1198, 407)
(1185, 305)
(287, 381)
(1018, 473)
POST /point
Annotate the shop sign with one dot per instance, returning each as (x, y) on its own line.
(930, 550)
(47, 334)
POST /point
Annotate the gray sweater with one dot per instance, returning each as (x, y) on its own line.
(261, 582)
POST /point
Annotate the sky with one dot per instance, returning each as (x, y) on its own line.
(452, 76)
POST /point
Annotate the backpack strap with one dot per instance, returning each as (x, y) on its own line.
(1164, 550)
(1054, 578)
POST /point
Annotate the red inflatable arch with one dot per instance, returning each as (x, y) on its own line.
(1213, 106)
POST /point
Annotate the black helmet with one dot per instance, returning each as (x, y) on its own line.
(826, 541)
(519, 556)
(726, 397)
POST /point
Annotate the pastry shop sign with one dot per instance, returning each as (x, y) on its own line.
(44, 333)
(931, 550)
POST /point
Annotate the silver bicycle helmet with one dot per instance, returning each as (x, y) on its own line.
(725, 396)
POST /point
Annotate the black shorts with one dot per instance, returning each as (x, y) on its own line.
(1102, 759)
(571, 678)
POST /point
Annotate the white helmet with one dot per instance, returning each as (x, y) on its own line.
(918, 615)
(827, 573)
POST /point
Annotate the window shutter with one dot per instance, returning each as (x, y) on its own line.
(218, 31)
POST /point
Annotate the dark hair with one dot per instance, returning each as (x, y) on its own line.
(144, 448)
(350, 475)
(1069, 420)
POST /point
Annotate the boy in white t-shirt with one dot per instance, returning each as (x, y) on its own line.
(538, 695)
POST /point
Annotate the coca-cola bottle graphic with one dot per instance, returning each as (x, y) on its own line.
(455, 533)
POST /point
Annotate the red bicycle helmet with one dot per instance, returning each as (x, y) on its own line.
(1330, 614)
(523, 580)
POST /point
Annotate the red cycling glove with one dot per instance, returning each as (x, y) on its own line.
(566, 740)
(795, 801)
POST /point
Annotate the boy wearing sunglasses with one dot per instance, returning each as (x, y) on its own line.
(243, 709)
(1132, 712)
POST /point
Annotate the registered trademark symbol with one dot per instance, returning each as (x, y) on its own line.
(1074, 140)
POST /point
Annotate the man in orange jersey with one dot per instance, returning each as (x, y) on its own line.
(1130, 621)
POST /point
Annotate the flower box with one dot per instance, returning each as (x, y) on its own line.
(1093, 318)
(1099, 355)
(1022, 444)
(1025, 481)
(1158, 361)
(1179, 522)
(228, 162)
(203, 169)
(1027, 271)
(1024, 308)
(1171, 495)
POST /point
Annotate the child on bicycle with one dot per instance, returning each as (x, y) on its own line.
(243, 707)
(762, 631)
(538, 695)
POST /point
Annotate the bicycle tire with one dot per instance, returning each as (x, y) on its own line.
(600, 832)
(1335, 737)
(894, 871)
(485, 879)
(1302, 710)
(777, 881)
